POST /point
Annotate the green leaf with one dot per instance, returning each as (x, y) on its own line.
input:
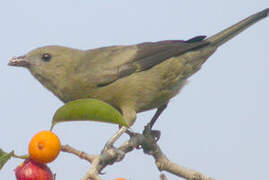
(4, 157)
(88, 110)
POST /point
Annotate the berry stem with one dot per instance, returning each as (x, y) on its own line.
(26, 156)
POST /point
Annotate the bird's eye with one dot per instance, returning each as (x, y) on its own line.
(46, 57)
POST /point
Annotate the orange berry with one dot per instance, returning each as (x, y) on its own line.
(44, 147)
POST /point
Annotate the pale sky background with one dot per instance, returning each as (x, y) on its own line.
(217, 125)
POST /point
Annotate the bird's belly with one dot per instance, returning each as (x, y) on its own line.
(161, 97)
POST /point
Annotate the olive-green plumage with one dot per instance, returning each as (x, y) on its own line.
(131, 78)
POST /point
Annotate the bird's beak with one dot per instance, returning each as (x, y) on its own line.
(18, 61)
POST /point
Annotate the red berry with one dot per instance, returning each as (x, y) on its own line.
(30, 170)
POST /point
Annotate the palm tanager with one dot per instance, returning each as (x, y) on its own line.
(131, 78)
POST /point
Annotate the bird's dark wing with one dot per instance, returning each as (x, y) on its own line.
(113, 63)
(152, 53)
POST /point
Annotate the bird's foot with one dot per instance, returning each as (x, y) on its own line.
(156, 134)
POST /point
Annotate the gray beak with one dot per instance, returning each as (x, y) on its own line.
(18, 61)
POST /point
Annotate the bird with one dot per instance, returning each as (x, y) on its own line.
(131, 78)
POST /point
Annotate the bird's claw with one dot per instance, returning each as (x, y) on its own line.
(156, 134)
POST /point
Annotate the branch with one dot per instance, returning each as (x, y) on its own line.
(146, 141)
(150, 147)
(82, 155)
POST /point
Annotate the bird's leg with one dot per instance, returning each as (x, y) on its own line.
(156, 115)
(149, 126)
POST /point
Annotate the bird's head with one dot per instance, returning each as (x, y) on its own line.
(47, 58)
(51, 65)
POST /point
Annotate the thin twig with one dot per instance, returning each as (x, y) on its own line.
(81, 154)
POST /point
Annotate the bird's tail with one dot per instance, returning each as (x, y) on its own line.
(225, 35)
